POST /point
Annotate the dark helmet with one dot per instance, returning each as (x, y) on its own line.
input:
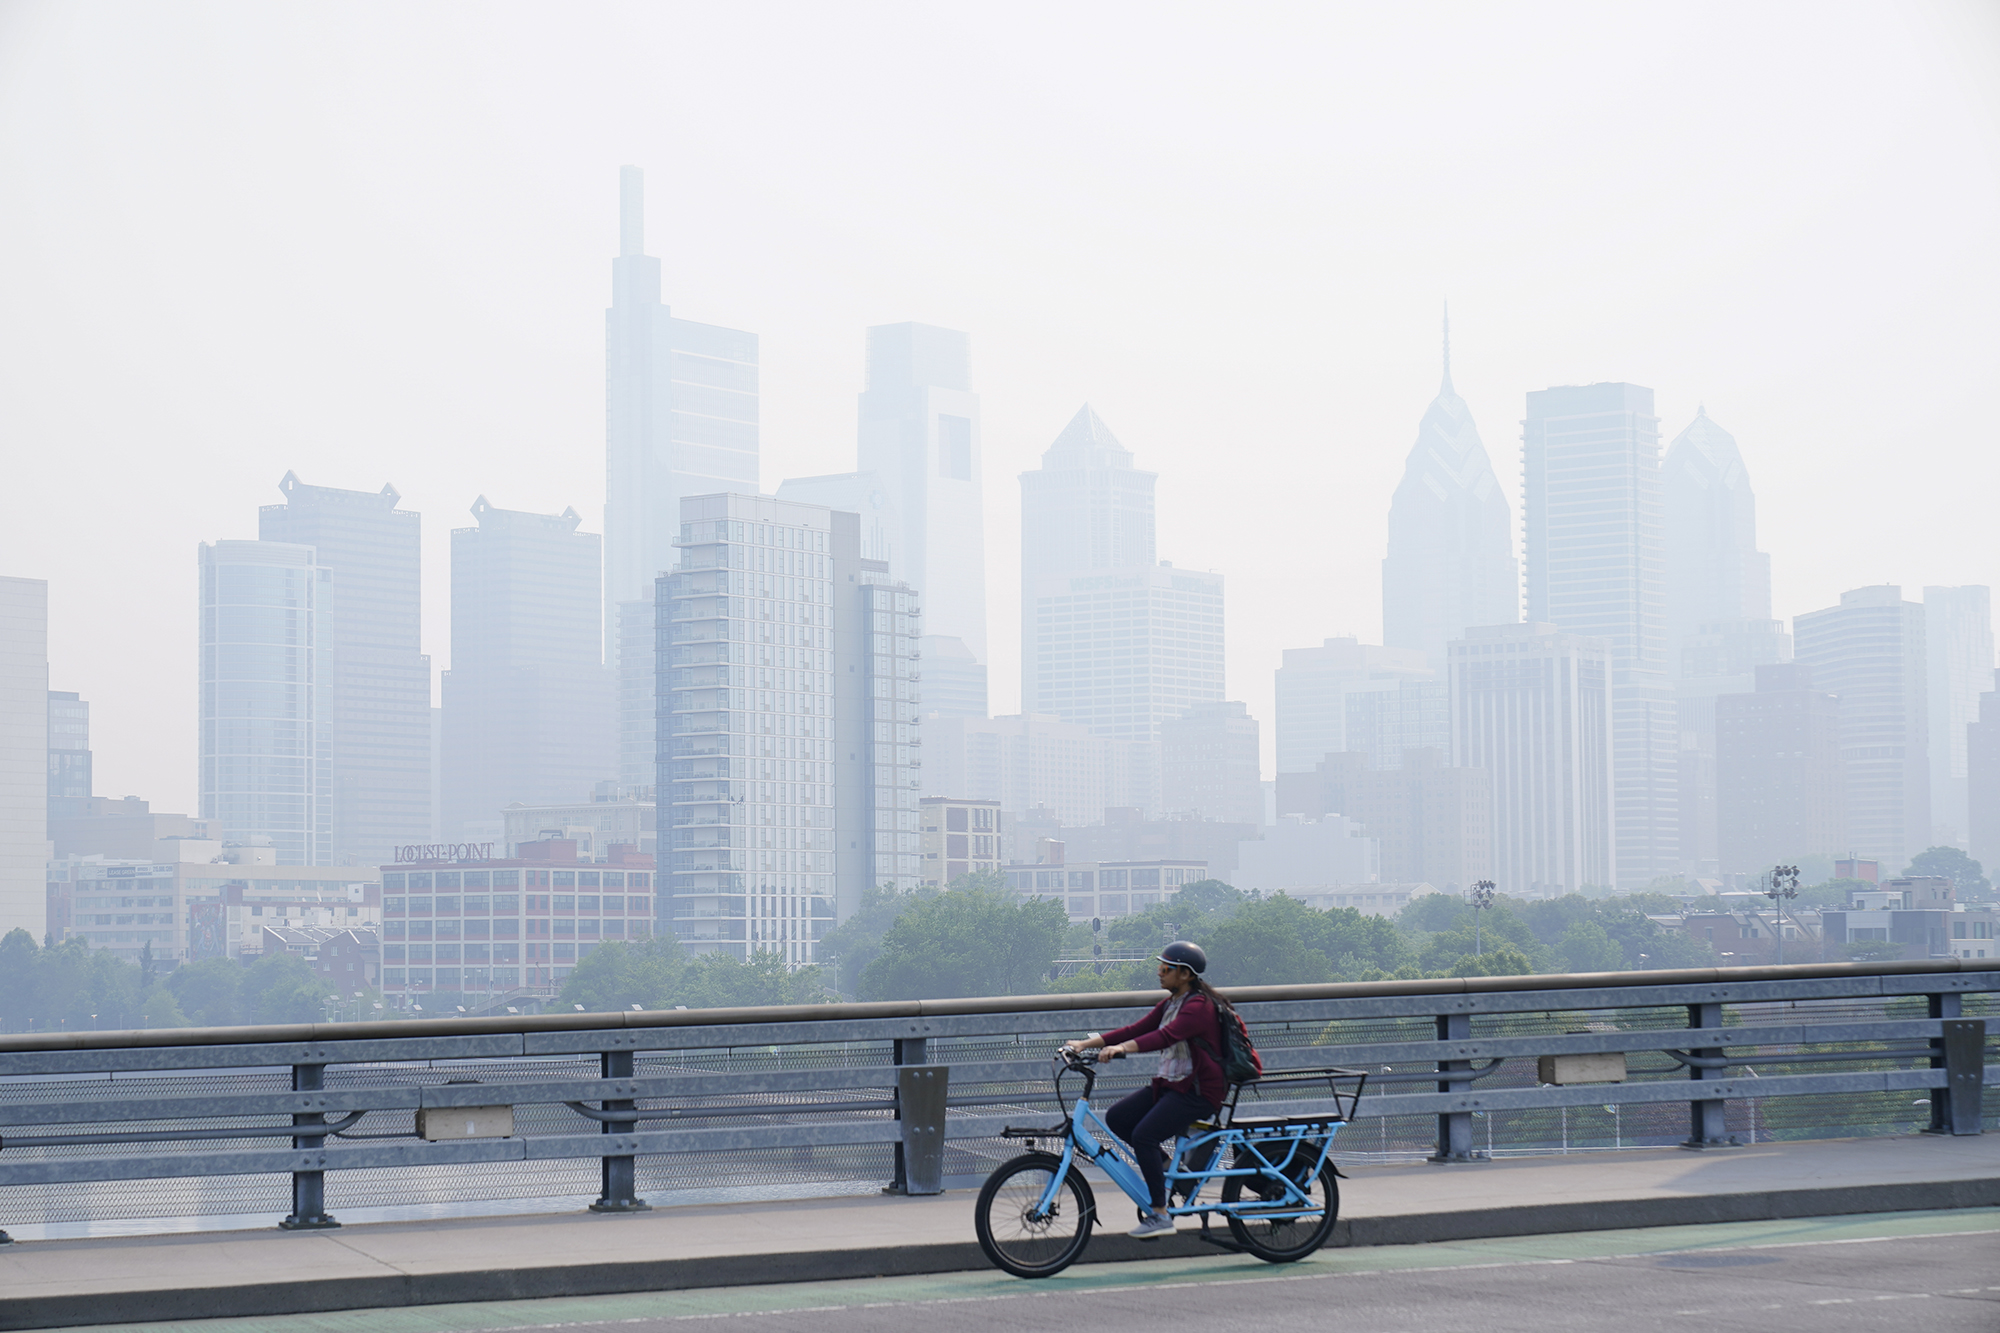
(1183, 954)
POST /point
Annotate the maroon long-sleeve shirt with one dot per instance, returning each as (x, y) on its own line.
(1197, 1018)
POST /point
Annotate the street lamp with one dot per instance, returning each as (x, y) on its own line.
(1781, 886)
(1482, 898)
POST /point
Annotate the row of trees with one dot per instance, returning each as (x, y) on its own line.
(72, 987)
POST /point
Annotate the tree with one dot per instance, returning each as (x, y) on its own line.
(856, 942)
(976, 940)
(724, 981)
(1586, 947)
(620, 974)
(210, 992)
(1502, 960)
(1966, 874)
(280, 988)
(1280, 941)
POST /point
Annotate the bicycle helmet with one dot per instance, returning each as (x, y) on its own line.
(1183, 954)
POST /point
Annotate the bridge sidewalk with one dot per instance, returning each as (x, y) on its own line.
(63, 1283)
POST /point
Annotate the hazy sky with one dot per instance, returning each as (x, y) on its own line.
(371, 243)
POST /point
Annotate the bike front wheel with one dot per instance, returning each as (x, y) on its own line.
(1282, 1239)
(1015, 1235)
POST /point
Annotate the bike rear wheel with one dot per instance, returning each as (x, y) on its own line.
(1282, 1240)
(1018, 1241)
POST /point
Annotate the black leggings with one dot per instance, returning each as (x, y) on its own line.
(1145, 1120)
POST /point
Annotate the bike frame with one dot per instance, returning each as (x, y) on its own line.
(1088, 1134)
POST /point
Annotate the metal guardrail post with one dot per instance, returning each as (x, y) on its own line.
(1706, 1127)
(619, 1188)
(308, 1187)
(1454, 1142)
(1961, 1053)
(909, 1051)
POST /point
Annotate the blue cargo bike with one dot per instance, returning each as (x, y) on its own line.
(1276, 1183)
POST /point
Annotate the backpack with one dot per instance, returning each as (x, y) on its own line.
(1238, 1057)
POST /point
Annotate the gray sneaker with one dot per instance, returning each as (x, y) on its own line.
(1152, 1227)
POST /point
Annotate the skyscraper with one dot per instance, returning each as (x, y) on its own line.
(919, 432)
(1958, 655)
(1781, 786)
(1315, 686)
(528, 703)
(1209, 765)
(1085, 509)
(918, 493)
(1870, 651)
(1721, 657)
(766, 776)
(24, 758)
(381, 680)
(1982, 780)
(267, 687)
(1451, 536)
(1714, 571)
(1028, 760)
(888, 633)
(1110, 639)
(69, 754)
(1594, 512)
(680, 419)
(1531, 706)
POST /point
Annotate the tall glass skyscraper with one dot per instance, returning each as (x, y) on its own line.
(1958, 656)
(1451, 562)
(24, 744)
(1714, 571)
(381, 679)
(680, 419)
(1595, 547)
(267, 674)
(528, 702)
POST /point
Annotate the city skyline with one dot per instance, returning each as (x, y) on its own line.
(455, 343)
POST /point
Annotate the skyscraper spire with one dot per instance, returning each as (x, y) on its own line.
(1447, 349)
(631, 211)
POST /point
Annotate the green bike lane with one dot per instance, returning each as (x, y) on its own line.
(899, 1300)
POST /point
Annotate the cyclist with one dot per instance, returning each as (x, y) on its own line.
(1189, 1084)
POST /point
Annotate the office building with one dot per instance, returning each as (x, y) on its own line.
(1781, 785)
(919, 433)
(1126, 836)
(1209, 759)
(380, 687)
(680, 419)
(766, 769)
(1299, 856)
(954, 680)
(1594, 516)
(24, 754)
(889, 628)
(1921, 914)
(1100, 890)
(1958, 657)
(69, 754)
(1714, 571)
(126, 828)
(1531, 706)
(485, 928)
(267, 734)
(1982, 781)
(1314, 690)
(1123, 651)
(186, 903)
(528, 703)
(1450, 562)
(1720, 657)
(1871, 651)
(1110, 640)
(1385, 724)
(960, 837)
(614, 816)
(1431, 823)
(1026, 761)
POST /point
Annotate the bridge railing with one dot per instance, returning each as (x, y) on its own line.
(901, 1083)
